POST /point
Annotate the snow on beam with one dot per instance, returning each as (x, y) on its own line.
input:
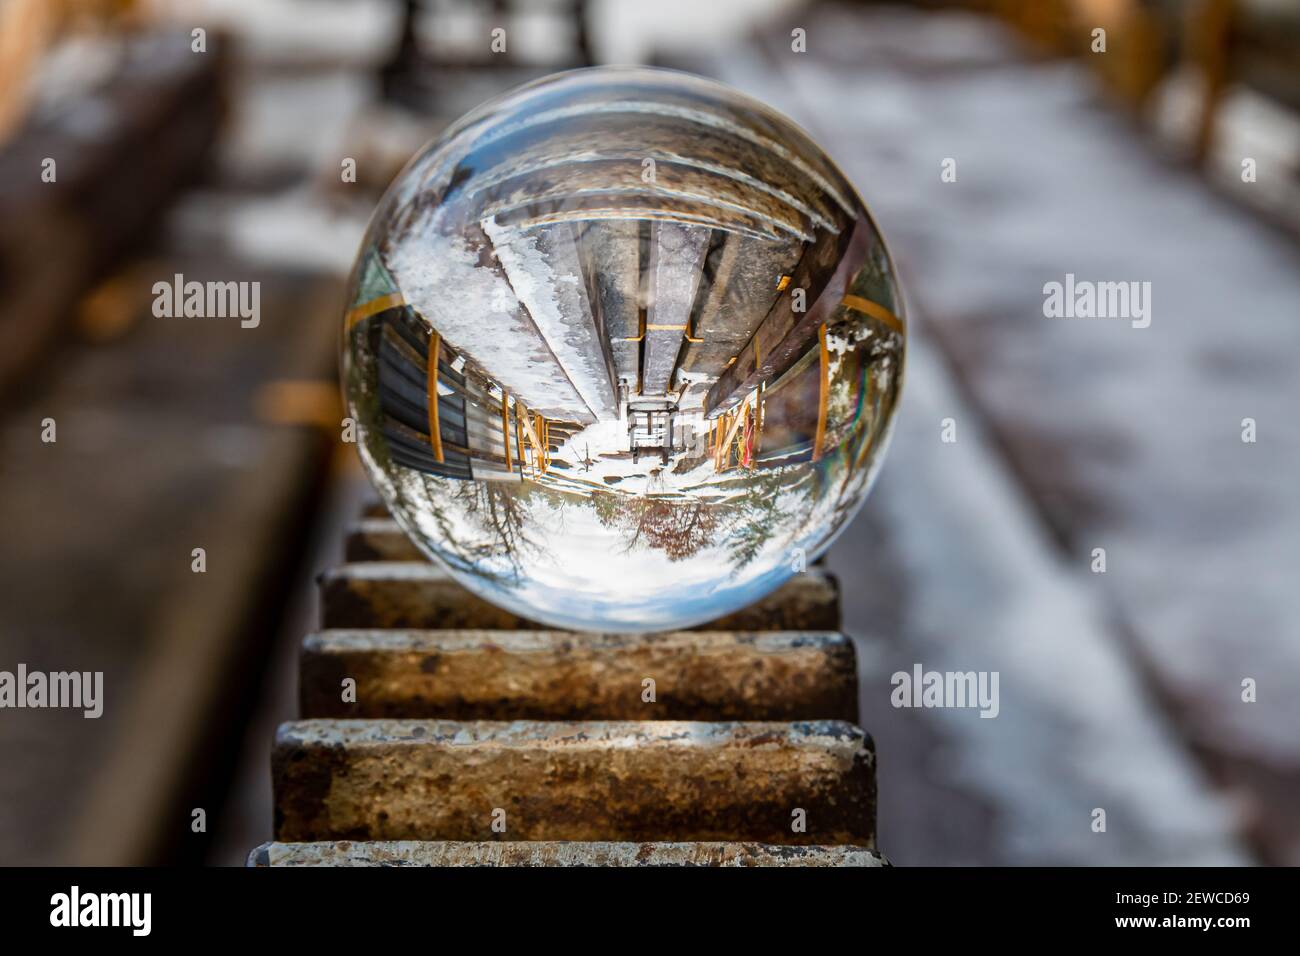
(454, 282)
(545, 270)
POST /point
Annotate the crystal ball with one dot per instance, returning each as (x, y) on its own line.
(622, 349)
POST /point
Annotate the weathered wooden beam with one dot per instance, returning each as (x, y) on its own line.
(612, 265)
(823, 276)
(413, 594)
(721, 196)
(752, 172)
(676, 257)
(558, 675)
(165, 732)
(123, 149)
(558, 853)
(419, 595)
(743, 284)
(787, 783)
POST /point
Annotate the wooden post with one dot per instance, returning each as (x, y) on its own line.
(1209, 34)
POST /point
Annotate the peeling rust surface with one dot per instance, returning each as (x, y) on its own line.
(413, 594)
(552, 853)
(557, 675)
(417, 595)
(584, 780)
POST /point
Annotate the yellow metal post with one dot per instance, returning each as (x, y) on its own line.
(824, 392)
(505, 427)
(435, 429)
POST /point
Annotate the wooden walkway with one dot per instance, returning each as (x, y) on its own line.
(1121, 690)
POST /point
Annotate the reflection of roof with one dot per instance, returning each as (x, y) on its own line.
(601, 240)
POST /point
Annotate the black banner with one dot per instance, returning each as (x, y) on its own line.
(252, 907)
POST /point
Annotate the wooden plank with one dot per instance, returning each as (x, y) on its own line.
(557, 675)
(101, 792)
(561, 853)
(579, 780)
(422, 596)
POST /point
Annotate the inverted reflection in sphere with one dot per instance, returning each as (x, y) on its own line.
(623, 348)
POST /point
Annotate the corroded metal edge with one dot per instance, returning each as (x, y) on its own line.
(485, 674)
(414, 853)
(802, 782)
(418, 594)
(380, 640)
(835, 736)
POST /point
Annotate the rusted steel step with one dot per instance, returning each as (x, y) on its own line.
(784, 783)
(379, 539)
(552, 853)
(558, 675)
(417, 595)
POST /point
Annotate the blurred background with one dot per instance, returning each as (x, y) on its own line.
(216, 140)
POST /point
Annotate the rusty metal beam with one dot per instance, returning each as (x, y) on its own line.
(422, 596)
(784, 783)
(561, 853)
(557, 675)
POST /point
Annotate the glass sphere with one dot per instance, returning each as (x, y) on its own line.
(623, 347)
